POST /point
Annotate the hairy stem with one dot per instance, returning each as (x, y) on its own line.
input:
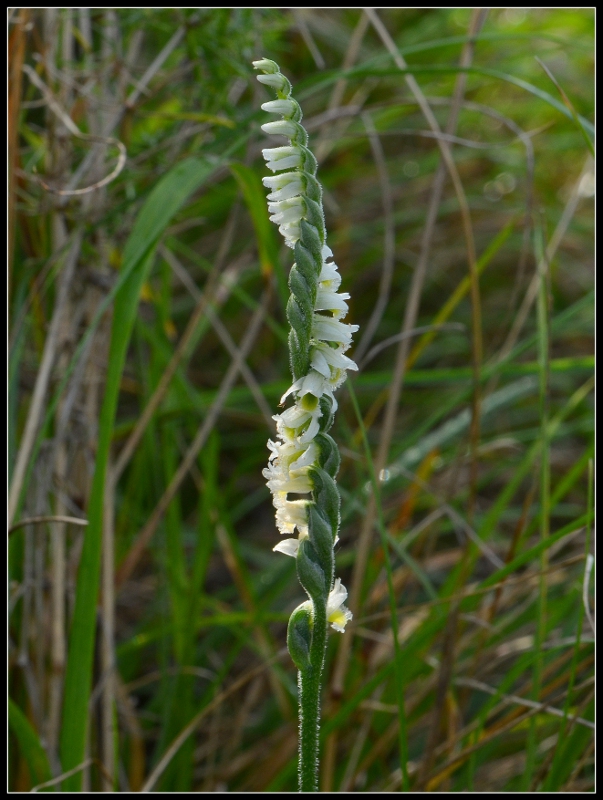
(309, 682)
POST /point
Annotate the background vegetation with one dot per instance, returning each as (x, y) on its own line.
(148, 333)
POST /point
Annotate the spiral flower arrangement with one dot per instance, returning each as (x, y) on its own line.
(304, 460)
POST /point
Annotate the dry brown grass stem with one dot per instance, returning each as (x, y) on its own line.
(214, 281)
(474, 591)
(80, 767)
(550, 251)
(144, 537)
(224, 336)
(513, 699)
(498, 726)
(127, 712)
(306, 33)
(418, 690)
(140, 88)
(44, 519)
(55, 107)
(16, 51)
(389, 240)
(409, 322)
(324, 146)
(51, 346)
(264, 640)
(514, 718)
(208, 709)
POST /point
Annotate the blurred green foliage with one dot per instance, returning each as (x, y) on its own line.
(196, 626)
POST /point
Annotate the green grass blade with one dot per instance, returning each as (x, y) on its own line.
(555, 775)
(29, 743)
(453, 427)
(461, 290)
(570, 752)
(543, 362)
(402, 733)
(533, 552)
(364, 71)
(570, 105)
(164, 201)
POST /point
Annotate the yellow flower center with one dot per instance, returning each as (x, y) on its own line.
(337, 617)
(308, 402)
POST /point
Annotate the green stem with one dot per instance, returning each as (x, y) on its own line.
(309, 701)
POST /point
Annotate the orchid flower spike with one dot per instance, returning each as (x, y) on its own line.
(319, 338)
(304, 459)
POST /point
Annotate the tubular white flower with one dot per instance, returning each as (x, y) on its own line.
(327, 300)
(286, 157)
(290, 190)
(328, 329)
(277, 182)
(287, 211)
(294, 417)
(329, 278)
(285, 107)
(291, 514)
(331, 363)
(290, 233)
(278, 82)
(307, 458)
(282, 127)
(337, 614)
(288, 546)
(295, 204)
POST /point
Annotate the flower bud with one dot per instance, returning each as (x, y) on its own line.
(285, 127)
(277, 82)
(286, 108)
(266, 65)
